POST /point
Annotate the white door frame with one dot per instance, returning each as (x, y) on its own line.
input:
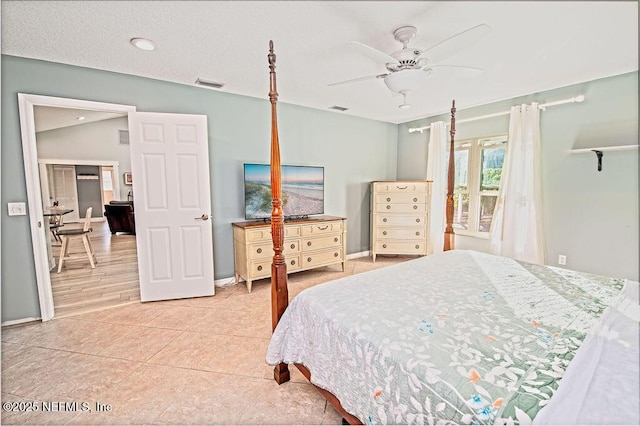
(26, 104)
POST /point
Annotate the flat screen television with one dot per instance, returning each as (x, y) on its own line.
(302, 191)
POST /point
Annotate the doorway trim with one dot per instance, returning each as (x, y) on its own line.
(26, 104)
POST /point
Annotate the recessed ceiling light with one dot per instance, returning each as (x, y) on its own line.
(80, 118)
(143, 43)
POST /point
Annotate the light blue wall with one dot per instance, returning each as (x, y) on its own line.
(353, 151)
(590, 216)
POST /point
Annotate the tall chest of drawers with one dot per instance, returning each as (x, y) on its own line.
(308, 243)
(400, 217)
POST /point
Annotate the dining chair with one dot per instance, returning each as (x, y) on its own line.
(55, 223)
(83, 233)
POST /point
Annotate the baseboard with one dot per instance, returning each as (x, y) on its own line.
(357, 255)
(19, 321)
(225, 282)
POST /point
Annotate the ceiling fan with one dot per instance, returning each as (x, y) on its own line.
(409, 67)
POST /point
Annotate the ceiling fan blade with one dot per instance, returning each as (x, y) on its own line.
(374, 54)
(353, 80)
(454, 44)
(454, 66)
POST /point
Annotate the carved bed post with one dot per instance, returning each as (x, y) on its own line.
(448, 232)
(279, 292)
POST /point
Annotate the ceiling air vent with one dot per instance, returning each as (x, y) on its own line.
(338, 108)
(211, 84)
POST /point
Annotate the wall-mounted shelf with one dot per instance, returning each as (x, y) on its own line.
(599, 151)
(604, 148)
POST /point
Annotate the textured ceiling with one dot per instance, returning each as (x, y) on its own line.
(533, 46)
(49, 118)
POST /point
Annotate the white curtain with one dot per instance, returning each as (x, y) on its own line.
(437, 172)
(517, 230)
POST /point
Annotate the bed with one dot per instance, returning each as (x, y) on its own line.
(460, 337)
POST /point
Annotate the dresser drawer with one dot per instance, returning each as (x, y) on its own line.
(401, 247)
(400, 187)
(401, 208)
(257, 251)
(317, 243)
(262, 268)
(321, 228)
(293, 263)
(401, 233)
(264, 234)
(399, 220)
(394, 198)
(310, 260)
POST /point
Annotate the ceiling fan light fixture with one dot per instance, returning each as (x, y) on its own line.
(405, 80)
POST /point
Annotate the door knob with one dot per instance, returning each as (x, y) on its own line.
(203, 217)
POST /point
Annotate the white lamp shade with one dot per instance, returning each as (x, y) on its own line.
(405, 80)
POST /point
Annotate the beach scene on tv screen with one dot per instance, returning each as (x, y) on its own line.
(302, 191)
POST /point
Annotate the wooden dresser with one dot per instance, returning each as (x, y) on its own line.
(308, 243)
(400, 217)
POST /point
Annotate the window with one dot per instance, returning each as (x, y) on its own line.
(478, 164)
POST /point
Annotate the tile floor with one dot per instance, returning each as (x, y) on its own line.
(189, 361)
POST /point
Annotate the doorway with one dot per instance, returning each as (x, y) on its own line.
(39, 233)
(174, 244)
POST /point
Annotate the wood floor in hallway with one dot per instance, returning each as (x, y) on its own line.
(114, 282)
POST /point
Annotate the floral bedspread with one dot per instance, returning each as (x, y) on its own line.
(459, 337)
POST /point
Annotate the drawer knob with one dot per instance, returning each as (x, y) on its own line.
(260, 268)
(388, 199)
(293, 246)
(293, 262)
(323, 229)
(384, 246)
(308, 259)
(259, 250)
(415, 207)
(388, 207)
(384, 232)
(418, 233)
(418, 220)
(384, 220)
(415, 200)
(309, 243)
(335, 240)
(417, 246)
(336, 254)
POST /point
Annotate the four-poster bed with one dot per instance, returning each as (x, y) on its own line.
(460, 337)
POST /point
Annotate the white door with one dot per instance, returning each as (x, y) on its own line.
(170, 171)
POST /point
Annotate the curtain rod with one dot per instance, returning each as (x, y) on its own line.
(498, 114)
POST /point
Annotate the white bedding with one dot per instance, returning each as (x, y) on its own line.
(465, 337)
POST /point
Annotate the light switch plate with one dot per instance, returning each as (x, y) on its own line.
(17, 209)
